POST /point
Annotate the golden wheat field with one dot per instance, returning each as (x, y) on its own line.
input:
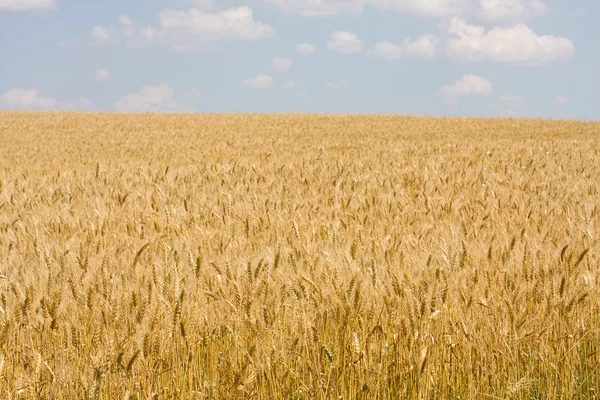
(298, 257)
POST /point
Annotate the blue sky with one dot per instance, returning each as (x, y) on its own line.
(529, 58)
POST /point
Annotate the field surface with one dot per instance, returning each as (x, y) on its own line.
(298, 257)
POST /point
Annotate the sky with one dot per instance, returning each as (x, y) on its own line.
(521, 58)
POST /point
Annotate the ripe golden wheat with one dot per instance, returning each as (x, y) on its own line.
(300, 257)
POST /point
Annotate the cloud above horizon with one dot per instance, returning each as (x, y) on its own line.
(258, 54)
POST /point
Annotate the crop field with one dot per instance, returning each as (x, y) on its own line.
(298, 257)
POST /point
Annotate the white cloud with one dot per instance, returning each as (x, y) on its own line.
(187, 29)
(149, 99)
(183, 30)
(289, 85)
(150, 34)
(386, 50)
(335, 85)
(102, 75)
(517, 45)
(489, 10)
(423, 47)
(259, 82)
(468, 85)
(282, 63)
(27, 5)
(125, 21)
(205, 4)
(100, 33)
(30, 99)
(319, 8)
(18, 98)
(345, 43)
(305, 49)
(562, 101)
(127, 25)
(510, 10)
(427, 8)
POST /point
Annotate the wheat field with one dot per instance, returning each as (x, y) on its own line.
(298, 257)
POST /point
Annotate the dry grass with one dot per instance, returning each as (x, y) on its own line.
(321, 257)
